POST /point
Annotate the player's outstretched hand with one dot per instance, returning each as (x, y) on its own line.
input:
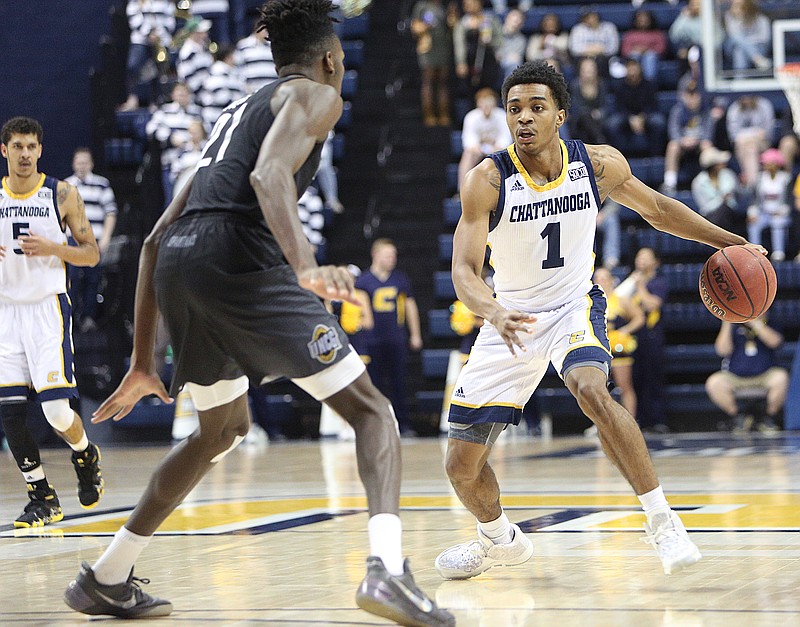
(509, 324)
(135, 386)
(330, 282)
(758, 248)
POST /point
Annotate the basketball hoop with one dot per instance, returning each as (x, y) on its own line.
(789, 78)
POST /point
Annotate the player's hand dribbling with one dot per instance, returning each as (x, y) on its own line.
(509, 324)
(135, 386)
(330, 282)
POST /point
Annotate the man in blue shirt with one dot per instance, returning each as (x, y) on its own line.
(748, 352)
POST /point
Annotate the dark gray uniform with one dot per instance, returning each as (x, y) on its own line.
(230, 300)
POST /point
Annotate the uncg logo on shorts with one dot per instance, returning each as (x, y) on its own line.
(325, 344)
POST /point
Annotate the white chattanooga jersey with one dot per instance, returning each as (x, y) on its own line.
(542, 236)
(30, 279)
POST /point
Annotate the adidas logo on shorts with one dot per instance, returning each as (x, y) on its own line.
(460, 393)
(517, 187)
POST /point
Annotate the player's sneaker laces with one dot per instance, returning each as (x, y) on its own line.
(398, 598)
(666, 533)
(42, 509)
(468, 559)
(124, 600)
(90, 478)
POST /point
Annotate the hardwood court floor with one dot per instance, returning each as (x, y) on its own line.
(275, 535)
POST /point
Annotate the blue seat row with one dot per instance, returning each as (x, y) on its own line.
(620, 14)
(123, 151)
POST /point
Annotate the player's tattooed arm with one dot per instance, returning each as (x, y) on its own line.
(610, 168)
(494, 179)
(62, 193)
(86, 253)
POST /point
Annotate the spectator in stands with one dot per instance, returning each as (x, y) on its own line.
(748, 33)
(795, 221)
(591, 37)
(476, 38)
(501, 6)
(169, 126)
(749, 121)
(194, 59)
(687, 29)
(152, 23)
(101, 212)
(589, 110)
(636, 127)
(648, 289)
(223, 85)
(550, 41)
(309, 208)
(646, 42)
(396, 326)
(689, 131)
(511, 51)
(623, 319)
(608, 224)
(485, 131)
(771, 206)
(327, 181)
(714, 190)
(748, 352)
(216, 11)
(431, 24)
(254, 59)
(189, 153)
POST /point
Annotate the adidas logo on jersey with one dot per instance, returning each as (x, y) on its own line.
(517, 187)
(460, 393)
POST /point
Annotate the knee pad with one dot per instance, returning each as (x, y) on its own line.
(237, 440)
(59, 414)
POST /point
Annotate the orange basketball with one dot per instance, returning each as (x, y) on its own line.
(737, 284)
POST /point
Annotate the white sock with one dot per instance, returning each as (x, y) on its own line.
(115, 564)
(499, 530)
(37, 474)
(81, 445)
(385, 541)
(653, 501)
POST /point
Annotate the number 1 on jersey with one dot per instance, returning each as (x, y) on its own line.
(552, 232)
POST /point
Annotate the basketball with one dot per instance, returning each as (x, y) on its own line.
(737, 284)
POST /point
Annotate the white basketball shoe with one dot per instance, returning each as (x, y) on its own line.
(666, 533)
(468, 559)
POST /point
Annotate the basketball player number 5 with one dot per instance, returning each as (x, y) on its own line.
(19, 228)
(552, 232)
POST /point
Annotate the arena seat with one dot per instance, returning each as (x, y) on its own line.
(443, 285)
(434, 362)
(451, 210)
(456, 148)
(353, 54)
(445, 247)
(439, 324)
(353, 28)
(133, 123)
(349, 84)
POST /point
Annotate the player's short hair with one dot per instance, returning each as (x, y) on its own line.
(540, 73)
(83, 149)
(382, 241)
(300, 30)
(21, 126)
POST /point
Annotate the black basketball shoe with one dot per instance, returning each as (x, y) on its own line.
(42, 509)
(398, 598)
(90, 478)
(124, 600)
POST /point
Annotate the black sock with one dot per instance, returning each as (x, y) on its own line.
(20, 440)
(40, 485)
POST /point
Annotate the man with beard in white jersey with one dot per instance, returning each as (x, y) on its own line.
(36, 360)
(535, 205)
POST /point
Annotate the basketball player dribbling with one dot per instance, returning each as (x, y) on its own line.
(535, 205)
(36, 358)
(216, 267)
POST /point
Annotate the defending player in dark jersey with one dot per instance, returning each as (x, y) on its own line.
(236, 280)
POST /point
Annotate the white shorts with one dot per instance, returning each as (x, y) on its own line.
(36, 349)
(494, 386)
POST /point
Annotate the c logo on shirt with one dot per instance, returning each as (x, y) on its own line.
(52, 377)
(324, 344)
(577, 337)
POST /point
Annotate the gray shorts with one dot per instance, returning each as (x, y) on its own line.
(485, 433)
